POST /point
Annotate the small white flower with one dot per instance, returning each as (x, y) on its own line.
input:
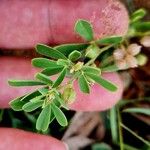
(145, 41)
(119, 54)
(134, 49)
(131, 61)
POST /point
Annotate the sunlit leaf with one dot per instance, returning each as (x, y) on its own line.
(43, 63)
(49, 52)
(103, 82)
(43, 91)
(84, 29)
(75, 55)
(52, 70)
(60, 78)
(42, 77)
(83, 84)
(25, 83)
(44, 119)
(31, 106)
(37, 98)
(60, 117)
(66, 49)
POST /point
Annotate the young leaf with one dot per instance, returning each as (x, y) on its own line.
(75, 55)
(83, 84)
(17, 104)
(60, 117)
(45, 79)
(61, 101)
(84, 29)
(60, 78)
(43, 63)
(89, 69)
(110, 40)
(44, 119)
(63, 62)
(145, 111)
(52, 70)
(103, 82)
(66, 49)
(31, 106)
(137, 15)
(43, 91)
(25, 83)
(49, 52)
(37, 98)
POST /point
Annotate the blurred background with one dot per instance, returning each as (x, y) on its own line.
(109, 130)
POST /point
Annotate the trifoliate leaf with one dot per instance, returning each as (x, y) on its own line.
(25, 83)
(75, 55)
(103, 82)
(83, 84)
(49, 52)
(43, 63)
(60, 78)
(84, 29)
(44, 119)
(60, 117)
(31, 106)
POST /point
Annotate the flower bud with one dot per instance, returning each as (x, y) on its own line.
(142, 59)
(119, 54)
(134, 49)
(131, 61)
(145, 41)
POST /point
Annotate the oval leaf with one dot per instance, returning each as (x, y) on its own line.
(89, 69)
(60, 117)
(43, 120)
(43, 63)
(75, 55)
(84, 29)
(103, 82)
(60, 78)
(110, 40)
(49, 52)
(83, 84)
(25, 83)
(31, 106)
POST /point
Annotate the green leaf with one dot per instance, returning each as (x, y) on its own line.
(43, 91)
(30, 96)
(17, 104)
(103, 82)
(137, 15)
(63, 62)
(45, 79)
(37, 98)
(101, 146)
(49, 52)
(61, 101)
(145, 111)
(89, 69)
(110, 68)
(60, 78)
(75, 55)
(110, 40)
(84, 29)
(142, 26)
(25, 83)
(83, 84)
(43, 63)
(31, 106)
(66, 49)
(44, 119)
(60, 117)
(52, 70)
